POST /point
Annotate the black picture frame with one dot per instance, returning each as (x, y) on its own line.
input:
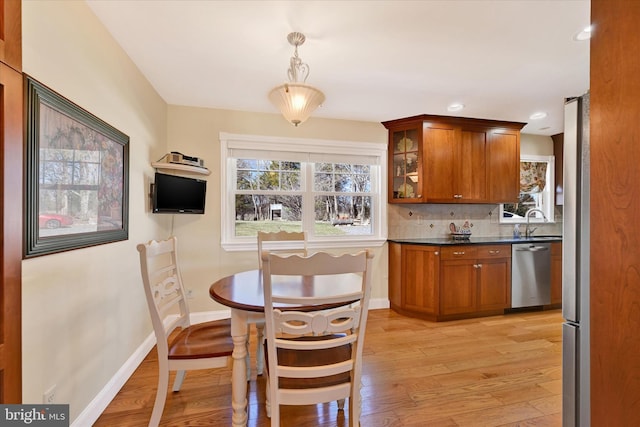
(76, 176)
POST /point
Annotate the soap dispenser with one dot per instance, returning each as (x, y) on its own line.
(516, 231)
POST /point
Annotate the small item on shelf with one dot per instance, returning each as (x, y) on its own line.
(405, 191)
(405, 144)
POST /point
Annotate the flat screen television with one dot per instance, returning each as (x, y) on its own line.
(177, 194)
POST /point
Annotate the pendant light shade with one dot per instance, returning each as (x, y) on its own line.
(296, 100)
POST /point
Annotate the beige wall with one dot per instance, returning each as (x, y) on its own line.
(195, 131)
(84, 312)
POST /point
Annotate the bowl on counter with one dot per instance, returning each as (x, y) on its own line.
(461, 235)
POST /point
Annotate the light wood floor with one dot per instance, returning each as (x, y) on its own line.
(492, 371)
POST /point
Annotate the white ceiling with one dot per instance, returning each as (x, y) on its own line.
(374, 60)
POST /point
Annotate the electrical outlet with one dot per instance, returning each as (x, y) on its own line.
(49, 396)
(190, 293)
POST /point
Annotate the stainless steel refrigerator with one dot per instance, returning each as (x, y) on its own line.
(575, 265)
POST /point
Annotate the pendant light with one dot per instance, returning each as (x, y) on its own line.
(296, 100)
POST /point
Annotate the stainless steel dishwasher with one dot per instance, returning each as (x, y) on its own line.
(530, 274)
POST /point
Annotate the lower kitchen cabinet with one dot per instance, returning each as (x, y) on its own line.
(449, 282)
(475, 280)
(556, 273)
(414, 276)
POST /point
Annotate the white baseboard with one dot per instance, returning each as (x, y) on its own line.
(92, 412)
(378, 303)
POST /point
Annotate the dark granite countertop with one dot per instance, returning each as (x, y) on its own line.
(439, 241)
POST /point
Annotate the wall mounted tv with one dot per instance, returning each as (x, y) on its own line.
(177, 194)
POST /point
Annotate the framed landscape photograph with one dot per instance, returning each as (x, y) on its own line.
(77, 176)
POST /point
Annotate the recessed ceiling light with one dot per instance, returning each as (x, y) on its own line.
(583, 35)
(455, 107)
(537, 116)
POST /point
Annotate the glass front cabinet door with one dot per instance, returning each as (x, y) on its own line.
(405, 165)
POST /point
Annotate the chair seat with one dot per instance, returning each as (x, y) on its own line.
(208, 339)
(287, 357)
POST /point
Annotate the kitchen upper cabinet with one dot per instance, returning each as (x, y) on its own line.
(446, 149)
(503, 165)
(11, 34)
(405, 164)
(558, 153)
(459, 160)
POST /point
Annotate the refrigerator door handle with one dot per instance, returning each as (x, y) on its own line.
(570, 385)
(569, 226)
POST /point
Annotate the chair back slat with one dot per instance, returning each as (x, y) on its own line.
(316, 371)
(328, 299)
(316, 344)
(323, 323)
(323, 263)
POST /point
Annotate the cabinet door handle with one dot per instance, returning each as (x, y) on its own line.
(457, 196)
(459, 253)
(436, 253)
(494, 252)
(477, 265)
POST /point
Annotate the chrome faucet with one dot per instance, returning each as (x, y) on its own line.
(528, 232)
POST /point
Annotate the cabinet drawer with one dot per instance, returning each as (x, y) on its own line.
(494, 251)
(459, 252)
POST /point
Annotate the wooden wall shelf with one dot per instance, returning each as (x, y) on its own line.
(181, 168)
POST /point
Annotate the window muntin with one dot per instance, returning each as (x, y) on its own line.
(333, 196)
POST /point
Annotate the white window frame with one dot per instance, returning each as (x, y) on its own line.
(309, 149)
(549, 193)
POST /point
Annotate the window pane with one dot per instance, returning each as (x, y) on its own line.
(271, 175)
(526, 201)
(254, 212)
(342, 215)
(341, 177)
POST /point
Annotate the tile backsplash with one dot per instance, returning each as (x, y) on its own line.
(432, 220)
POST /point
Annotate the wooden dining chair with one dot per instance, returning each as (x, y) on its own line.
(316, 357)
(192, 346)
(277, 241)
(281, 242)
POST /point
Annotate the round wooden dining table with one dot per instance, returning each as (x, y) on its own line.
(244, 293)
